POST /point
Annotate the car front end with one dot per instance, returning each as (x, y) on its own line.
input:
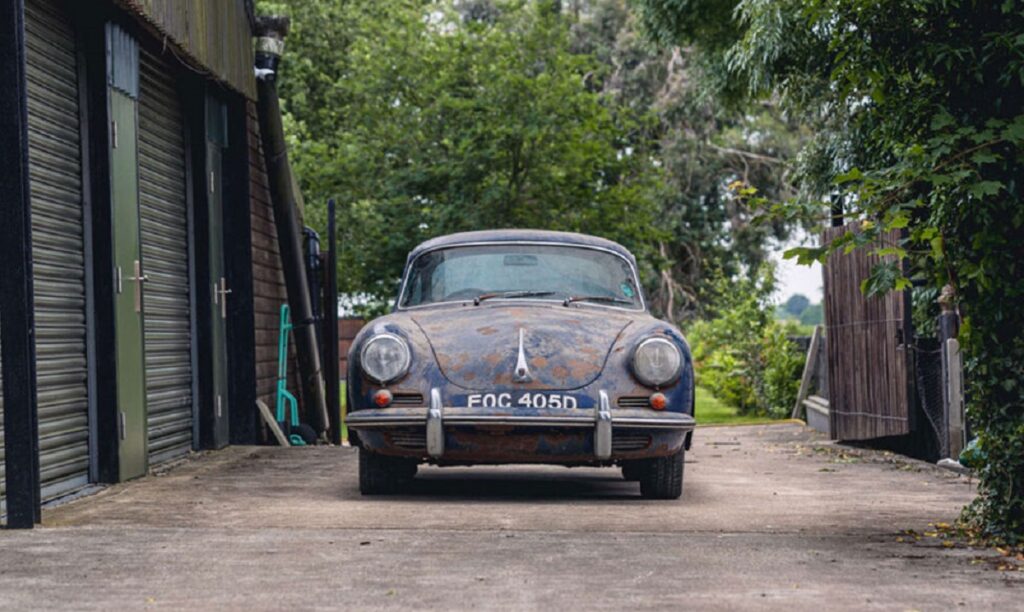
(497, 378)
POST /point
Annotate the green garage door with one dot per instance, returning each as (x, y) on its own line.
(57, 248)
(163, 209)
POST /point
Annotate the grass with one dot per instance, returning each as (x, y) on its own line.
(344, 409)
(711, 411)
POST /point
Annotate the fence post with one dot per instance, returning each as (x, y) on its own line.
(952, 374)
(954, 394)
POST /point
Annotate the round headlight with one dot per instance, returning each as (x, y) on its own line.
(384, 358)
(656, 362)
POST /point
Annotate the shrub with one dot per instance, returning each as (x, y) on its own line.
(782, 363)
(743, 356)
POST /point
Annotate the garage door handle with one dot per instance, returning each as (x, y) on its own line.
(139, 278)
(222, 292)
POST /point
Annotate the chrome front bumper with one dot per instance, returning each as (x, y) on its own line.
(601, 419)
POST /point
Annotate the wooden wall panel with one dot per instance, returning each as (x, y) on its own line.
(269, 291)
(867, 357)
(214, 34)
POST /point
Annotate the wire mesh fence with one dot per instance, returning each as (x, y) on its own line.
(930, 386)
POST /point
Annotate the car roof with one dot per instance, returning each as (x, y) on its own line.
(521, 235)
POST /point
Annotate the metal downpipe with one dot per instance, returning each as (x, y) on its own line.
(270, 32)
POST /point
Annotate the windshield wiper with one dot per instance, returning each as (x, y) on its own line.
(509, 294)
(595, 298)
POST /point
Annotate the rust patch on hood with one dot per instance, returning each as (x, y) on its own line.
(565, 348)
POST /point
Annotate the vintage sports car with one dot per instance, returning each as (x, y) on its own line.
(521, 346)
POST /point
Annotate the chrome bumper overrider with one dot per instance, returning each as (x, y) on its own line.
(602, 419)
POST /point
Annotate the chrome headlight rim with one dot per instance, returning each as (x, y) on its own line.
(405, 363)
(669, 381)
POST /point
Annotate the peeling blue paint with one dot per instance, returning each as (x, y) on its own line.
(577, 350)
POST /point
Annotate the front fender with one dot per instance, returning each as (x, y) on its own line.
(680, 394)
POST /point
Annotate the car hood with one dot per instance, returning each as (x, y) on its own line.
(478, 347)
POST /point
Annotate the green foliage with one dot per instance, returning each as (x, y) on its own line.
(743, 356)
(925, 311)
(796, 304)
(704, 147)
(712, 411)
(916, 107)
(781, 365)
(424, 121)
(813, 315)
(424, 118)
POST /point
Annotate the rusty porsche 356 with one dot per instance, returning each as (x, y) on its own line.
(521, 346)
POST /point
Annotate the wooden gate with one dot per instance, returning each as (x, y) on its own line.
(867, 356)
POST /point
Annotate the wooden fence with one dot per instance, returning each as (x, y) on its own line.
(869, 369)
(347, 330)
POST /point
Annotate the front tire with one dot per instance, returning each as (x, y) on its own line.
(383, 475)
(662, 477)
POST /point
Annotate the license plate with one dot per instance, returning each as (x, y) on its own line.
(524, 400)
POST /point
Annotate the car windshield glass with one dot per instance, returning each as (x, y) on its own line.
(519, 271)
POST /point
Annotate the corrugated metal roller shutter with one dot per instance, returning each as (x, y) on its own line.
(57, 248)
(3, 468)
(165, 256)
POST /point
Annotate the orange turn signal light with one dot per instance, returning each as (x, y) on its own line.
(658, 401)
(382, 398)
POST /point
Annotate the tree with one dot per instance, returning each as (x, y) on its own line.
(703, 146)
(429, 117)
(796, 304)
(813, 315)
(425, 120)
(916, 109)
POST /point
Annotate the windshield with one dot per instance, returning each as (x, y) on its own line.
(519, 271)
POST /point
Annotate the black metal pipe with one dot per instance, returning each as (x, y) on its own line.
(332, 362)
(314, 274)
(271, 32)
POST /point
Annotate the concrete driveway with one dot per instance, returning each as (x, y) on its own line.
(772, 517)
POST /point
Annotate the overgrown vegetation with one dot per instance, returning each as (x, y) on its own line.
(743, 355)
(916, 107)
(425, 118)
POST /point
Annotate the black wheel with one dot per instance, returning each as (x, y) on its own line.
(383, 475)
(663, 477)
(633, 470)
(307, 433)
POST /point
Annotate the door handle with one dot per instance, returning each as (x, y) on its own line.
(139, 278)
(222, 293)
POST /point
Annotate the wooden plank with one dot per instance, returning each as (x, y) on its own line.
(809, 365)
(216, 36)
(271, 422)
